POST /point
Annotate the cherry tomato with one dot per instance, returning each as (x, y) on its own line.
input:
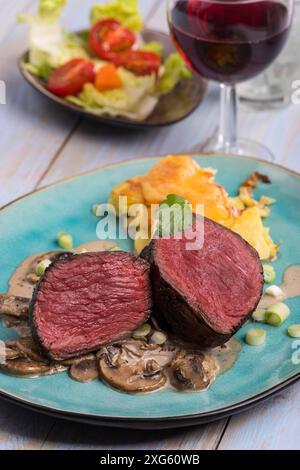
(109, 37)
(139, 62)
(69, 78)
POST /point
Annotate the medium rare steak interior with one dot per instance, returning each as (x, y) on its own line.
(205, 296)
(85, 301)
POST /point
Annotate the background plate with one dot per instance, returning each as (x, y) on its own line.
(30, 225)
(174, 107)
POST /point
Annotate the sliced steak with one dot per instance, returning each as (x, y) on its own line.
(204, 296)
(12, 306)
(86, 301)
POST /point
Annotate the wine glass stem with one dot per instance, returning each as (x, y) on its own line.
(227, 137)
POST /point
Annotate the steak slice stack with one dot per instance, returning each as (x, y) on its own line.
(85, 301)
(204, 296)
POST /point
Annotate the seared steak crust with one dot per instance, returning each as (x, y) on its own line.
(196, 311)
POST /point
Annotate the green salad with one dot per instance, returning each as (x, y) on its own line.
(108, 69)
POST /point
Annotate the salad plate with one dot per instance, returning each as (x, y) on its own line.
(258, 373)
(171, 108)
(116, 72)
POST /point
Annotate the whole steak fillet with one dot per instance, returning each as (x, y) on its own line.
(85, 301)
(204, 296)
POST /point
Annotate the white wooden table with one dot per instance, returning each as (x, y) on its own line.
(40, 144)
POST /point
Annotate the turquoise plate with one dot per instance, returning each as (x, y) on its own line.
(29, 226)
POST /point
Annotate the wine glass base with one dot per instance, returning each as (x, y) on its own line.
(244, 147)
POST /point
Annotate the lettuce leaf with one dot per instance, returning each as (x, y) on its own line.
(134, 100)
(49, 45)
(141, 112)
(174, 70)
(49, 11)
(126, 11)
(123, 99)
(153, 46)
(43, 70)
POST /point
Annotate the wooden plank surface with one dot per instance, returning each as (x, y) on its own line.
(21, 429)
(9, 10)
(73, 436)
(39, 144)
(33, 130)
(274, 425)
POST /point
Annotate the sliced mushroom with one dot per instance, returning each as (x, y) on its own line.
(133, 373)
(23, 330)
(10, 343)
(148, 347)
(130, 378)
(22, 367)
(8, 354)
(11, 322)
(111, 355)
(75, 360)
(16, 307)
(192, 371)
(133, 352)
(19, 326)
(85, 370)
(8, 351)
(151, 368)
(22, 357)
(29, 349)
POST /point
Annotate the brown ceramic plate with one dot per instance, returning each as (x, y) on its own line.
(174, 107)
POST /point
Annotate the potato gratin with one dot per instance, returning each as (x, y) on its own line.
(183, 176)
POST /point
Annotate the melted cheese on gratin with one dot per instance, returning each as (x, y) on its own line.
(183, 176)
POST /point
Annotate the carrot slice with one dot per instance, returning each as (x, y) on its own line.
(108, 78)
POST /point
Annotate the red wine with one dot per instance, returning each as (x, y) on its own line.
(229, 41)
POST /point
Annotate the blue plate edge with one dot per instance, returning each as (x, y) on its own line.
(191, 418)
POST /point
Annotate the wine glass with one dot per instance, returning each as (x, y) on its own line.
(230, 41)
(272, 89)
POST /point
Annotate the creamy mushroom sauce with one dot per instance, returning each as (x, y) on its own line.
(290, 287)
(132, 366)
(24, 278)
(137, 366)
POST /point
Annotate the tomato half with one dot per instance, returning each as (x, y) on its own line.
(109, 37)
(139, 62)
(69, 78)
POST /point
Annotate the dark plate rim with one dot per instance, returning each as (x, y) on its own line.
(171, 422)
(159, 422)
(117, 121)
